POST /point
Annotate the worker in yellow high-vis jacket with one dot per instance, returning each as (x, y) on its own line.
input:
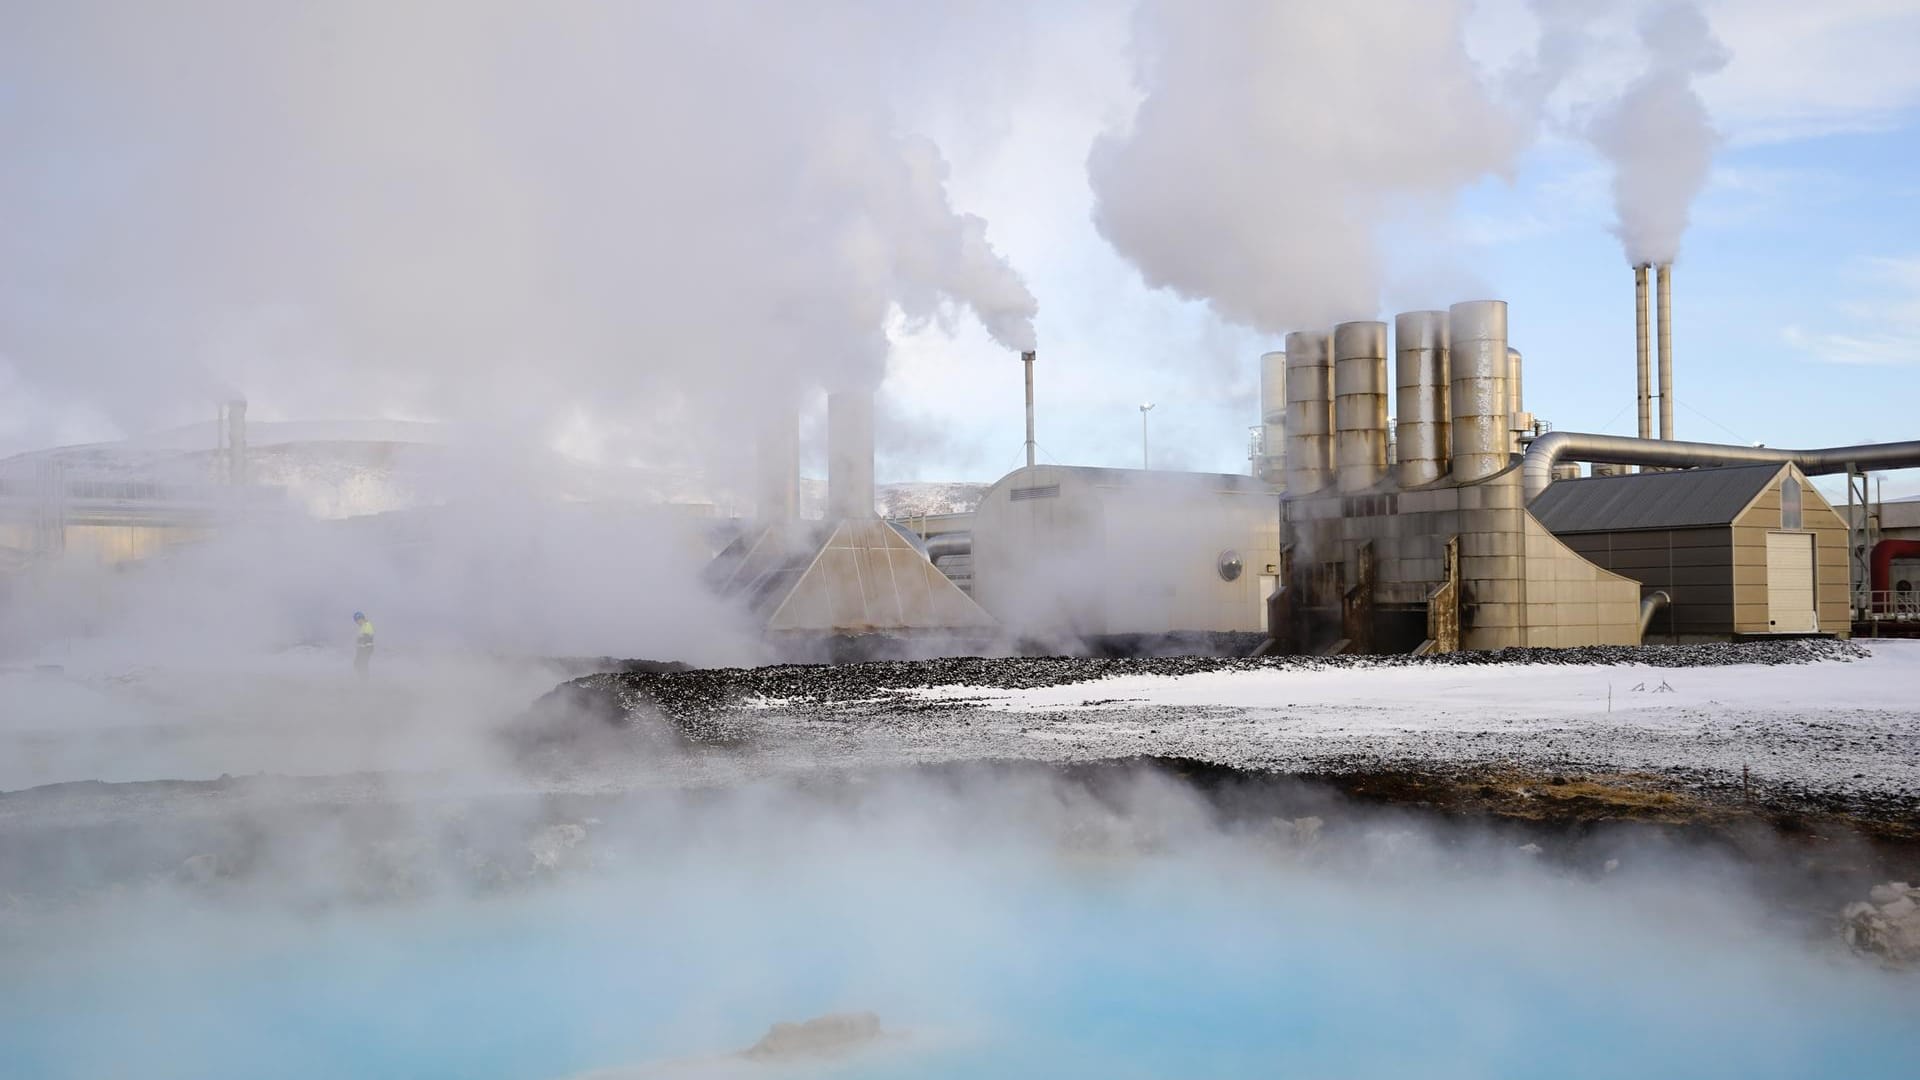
(362, 643)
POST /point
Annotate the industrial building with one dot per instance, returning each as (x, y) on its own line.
(1362, 569)
(1438, 515)
(1093, 553)
(1745, 549)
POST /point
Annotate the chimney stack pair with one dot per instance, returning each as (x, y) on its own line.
(849, 460)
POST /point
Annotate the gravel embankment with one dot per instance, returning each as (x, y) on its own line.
(1795, 723)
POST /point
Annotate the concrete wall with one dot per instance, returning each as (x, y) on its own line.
(1121, 551)
(1830, 580)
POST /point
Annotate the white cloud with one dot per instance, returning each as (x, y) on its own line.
(1803, 69)
(1883, 330)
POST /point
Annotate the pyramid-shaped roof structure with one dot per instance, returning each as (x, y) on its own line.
(850, 577)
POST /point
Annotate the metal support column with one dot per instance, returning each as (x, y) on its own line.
(1861, 536)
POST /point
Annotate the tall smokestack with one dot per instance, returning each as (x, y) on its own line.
(850, 455)
(1644, 388)
(237, 442)
(1665, 272)
(778, 453)
(1026, 361)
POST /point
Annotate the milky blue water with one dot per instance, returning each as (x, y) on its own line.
(995, 962)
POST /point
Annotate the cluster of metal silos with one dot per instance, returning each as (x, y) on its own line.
(1457, 396)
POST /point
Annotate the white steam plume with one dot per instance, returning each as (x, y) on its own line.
(1273, 140)
(472, 211)
(1658, 135)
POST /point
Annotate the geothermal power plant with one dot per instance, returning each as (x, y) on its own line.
(1402, 496)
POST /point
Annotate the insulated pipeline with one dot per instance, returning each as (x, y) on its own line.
(1556, 446)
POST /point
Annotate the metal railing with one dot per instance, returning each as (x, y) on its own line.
(1900, 605)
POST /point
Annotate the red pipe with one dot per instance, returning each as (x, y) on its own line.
(1880, 572)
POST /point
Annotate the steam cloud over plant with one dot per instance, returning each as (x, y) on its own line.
(1658, 135)
(1272, 141)
(474, 211)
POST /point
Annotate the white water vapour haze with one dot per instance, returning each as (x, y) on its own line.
(627, 232)
(663, 216)
(1000, 923)
(1275, 141)
(1658, 137)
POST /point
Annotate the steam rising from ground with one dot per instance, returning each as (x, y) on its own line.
(1000, 924)
(655, 215)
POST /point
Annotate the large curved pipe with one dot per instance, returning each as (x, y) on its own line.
(1650, 605)
(1880, 568)
(1555, 446)
(941, 545)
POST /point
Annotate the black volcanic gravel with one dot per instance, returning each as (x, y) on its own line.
(692, 694)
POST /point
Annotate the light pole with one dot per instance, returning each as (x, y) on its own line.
(1145, 461)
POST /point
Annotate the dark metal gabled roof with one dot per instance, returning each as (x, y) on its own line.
(1691, 498)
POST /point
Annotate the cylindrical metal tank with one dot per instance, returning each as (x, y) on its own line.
(850, 455)
(1309, 387)
(1273, 416)
(1420, 396)
(778, 460)
(1477, 356)
(1360, 404)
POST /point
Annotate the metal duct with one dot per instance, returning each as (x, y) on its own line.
(1555, 446)
(1360, 404)
(1273, 417)
(1420, 396)
(777, 454)
(1309, 388)
(942, 545)
(850, 455)
(1664, 273)
(1477, 357)
(1651, 604)
(1643, 393)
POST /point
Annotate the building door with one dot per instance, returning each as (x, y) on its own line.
(1268, 583)
(1790, 608)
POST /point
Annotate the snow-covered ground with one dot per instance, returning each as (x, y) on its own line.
(1848, 729)
(1830, 728)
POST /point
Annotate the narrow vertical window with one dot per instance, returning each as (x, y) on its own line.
(1790, 503)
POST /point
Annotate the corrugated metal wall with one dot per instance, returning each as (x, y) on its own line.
(1694, 566)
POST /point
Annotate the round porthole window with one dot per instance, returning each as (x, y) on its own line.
(1230, 565)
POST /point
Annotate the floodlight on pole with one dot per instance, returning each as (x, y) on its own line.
(1145, 460)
